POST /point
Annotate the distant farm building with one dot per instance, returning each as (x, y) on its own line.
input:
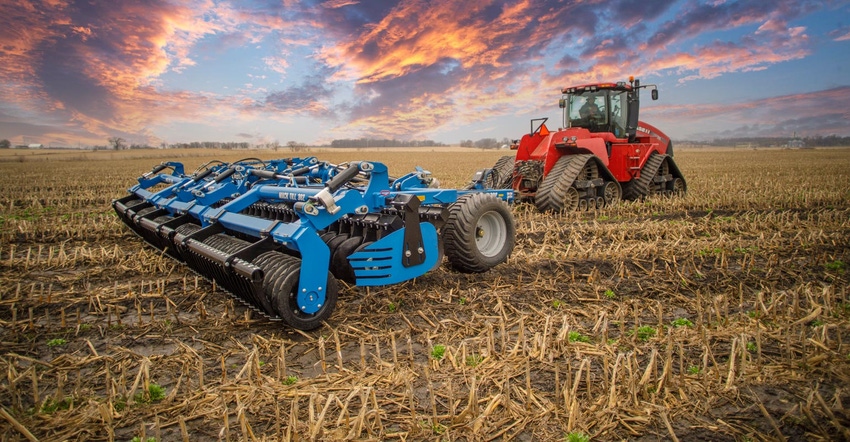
(35, 146)
(796, 142)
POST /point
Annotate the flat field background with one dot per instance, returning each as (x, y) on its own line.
(718, 316)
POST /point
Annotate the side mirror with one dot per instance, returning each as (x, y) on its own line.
(655, 94)
(562, 103)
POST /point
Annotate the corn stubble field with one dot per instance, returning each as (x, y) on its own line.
(721, 315)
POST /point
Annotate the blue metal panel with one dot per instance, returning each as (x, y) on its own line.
(253, 226)
(433, 196)
(143, 194)
(380, 263)
(174, 206)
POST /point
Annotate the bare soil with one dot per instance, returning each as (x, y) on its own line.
(718, 316)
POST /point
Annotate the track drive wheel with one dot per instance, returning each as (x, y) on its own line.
(556, 192)
(611, 194)
(479, 234)
(678, 187)
(502, 174)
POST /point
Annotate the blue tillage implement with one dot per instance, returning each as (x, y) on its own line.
(278, 234)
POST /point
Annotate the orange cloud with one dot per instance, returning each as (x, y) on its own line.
(99, 66)
(423, 66)
(416, 34)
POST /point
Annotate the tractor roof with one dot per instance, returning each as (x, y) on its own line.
(619, 86)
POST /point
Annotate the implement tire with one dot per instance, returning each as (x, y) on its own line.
(479, 234)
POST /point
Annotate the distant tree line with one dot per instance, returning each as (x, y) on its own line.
(378, 142)
(211, 145)
(810, 141)
(118, 143)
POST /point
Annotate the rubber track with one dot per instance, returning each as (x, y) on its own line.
(639, 188)
(552, 190)
(502, 175)
(674, 169)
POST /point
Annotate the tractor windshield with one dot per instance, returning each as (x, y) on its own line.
(588, 110)
(598, 111)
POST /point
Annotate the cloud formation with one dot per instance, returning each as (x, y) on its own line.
(817, 113)
(94, 64)
(408, 69)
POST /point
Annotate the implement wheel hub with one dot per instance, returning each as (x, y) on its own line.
(490, 233)
(310, 302)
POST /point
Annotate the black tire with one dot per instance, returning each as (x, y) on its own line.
(333, 244)
(479, 234)
(286, 302)
(556, 193)
(502, 174)
(340, 267)
(276, 268)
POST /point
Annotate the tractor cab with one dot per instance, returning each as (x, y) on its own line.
(604, 108)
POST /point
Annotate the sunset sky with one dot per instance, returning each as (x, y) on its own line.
(79, 72)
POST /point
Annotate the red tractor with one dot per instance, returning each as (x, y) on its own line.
(603, 153)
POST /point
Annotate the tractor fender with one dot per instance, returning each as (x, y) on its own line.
(533, 146)
(647, 130)
(593, 146)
